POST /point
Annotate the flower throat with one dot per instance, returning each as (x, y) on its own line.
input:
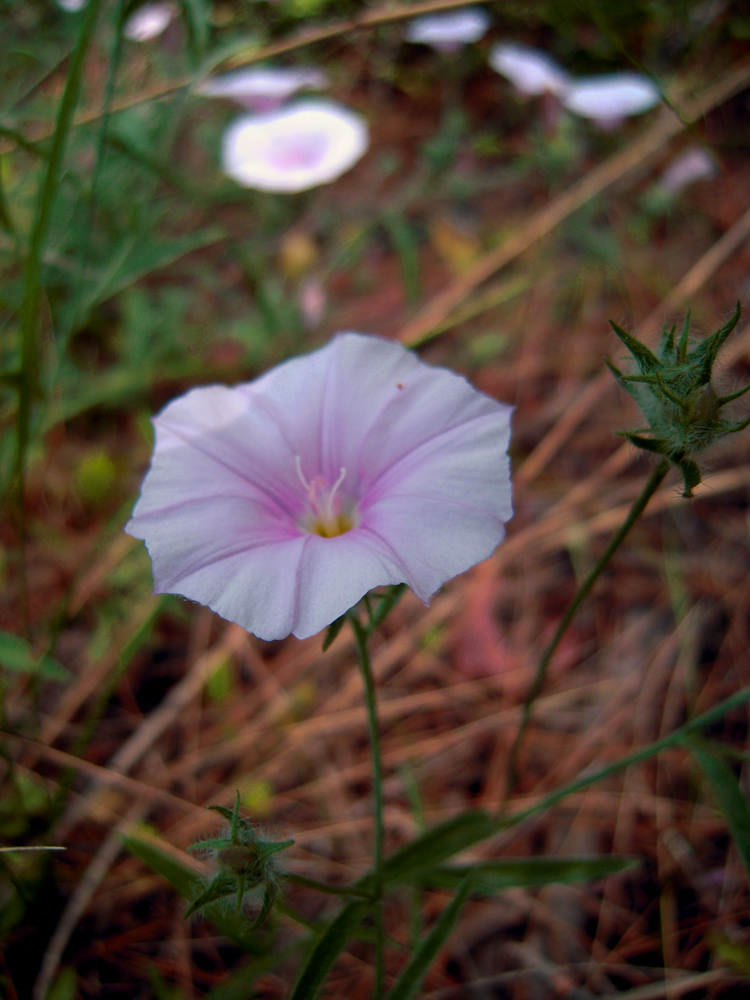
(326, 515)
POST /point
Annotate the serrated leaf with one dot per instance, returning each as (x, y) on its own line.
(327, 949)
(16, 655)
(726, 790)
(505, 873)
(410, 979)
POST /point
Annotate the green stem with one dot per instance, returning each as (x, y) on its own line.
(583, 591)
(361, 635)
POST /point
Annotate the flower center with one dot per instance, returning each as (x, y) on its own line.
(297, 152)
(327, 515)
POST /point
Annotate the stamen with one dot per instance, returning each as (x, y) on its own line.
(300, 473)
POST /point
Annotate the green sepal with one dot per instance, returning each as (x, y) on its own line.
(223, 885)
(333, 630)
(269, 898)
(644, 358)
(622, 380)
(723, 400)
(667, 341)
(682, 349)
(656, 445)
(705, 353)
(738, 425)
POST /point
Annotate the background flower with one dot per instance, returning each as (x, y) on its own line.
(448, 32)
(265, 88)
(148, 21)
(530, 71)
(611, 97)
(280, 502)
(310, 143)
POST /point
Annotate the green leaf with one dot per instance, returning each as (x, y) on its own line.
(188, 884)
(504, 873)
(406, 245)
(436, 845)
(197, 18)
(327, 949)
(16, 655)
(728, 794)
(646, 361)
(65, 987)
(410, 979)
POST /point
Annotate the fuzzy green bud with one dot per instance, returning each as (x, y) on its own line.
(676, 395)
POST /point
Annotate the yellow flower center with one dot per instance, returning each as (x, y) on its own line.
(327, 515)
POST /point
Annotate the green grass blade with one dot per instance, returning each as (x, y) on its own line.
(491, 877)
(32, 298)
(406, 245)
(327, 949)
(409, 981)
(436, 845)
(16, 655)
(728, 794)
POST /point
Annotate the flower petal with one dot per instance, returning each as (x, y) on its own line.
(611, 97)
(309, 143)
(530, 71)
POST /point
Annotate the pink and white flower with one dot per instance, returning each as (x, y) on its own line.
(149, 21)
(266, 88)
(279, 503)
(610, 98)
(530, 71)
(449, 32)
(309, 143)
(694, 164)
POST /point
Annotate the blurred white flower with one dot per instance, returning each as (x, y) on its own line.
(263, 89)
(448, 32)
(71, 5)
(530, 71)
(695, 164)
(611, 97)
(148, 21)
(310, 143)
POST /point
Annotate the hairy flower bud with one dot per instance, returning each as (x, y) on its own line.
(676, 395)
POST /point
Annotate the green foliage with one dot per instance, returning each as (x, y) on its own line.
(676, 395)
(728, 794)
(17, 655)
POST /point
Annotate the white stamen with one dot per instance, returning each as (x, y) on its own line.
(300, 473)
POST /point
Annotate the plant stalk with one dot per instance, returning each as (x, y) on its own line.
(582, 593)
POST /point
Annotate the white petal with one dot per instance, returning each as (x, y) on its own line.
(334, 573)
(275, 83)
(695, 164)
(610, 97)
(433, 540)
(530, 71)
(453, 29)
(148, 21)
(312, 142)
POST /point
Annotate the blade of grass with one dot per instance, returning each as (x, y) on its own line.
(410, 979)
(327, 949)
(32, 298)
(728, 794)
(506, 873)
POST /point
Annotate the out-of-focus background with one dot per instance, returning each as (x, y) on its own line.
(496, 225)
